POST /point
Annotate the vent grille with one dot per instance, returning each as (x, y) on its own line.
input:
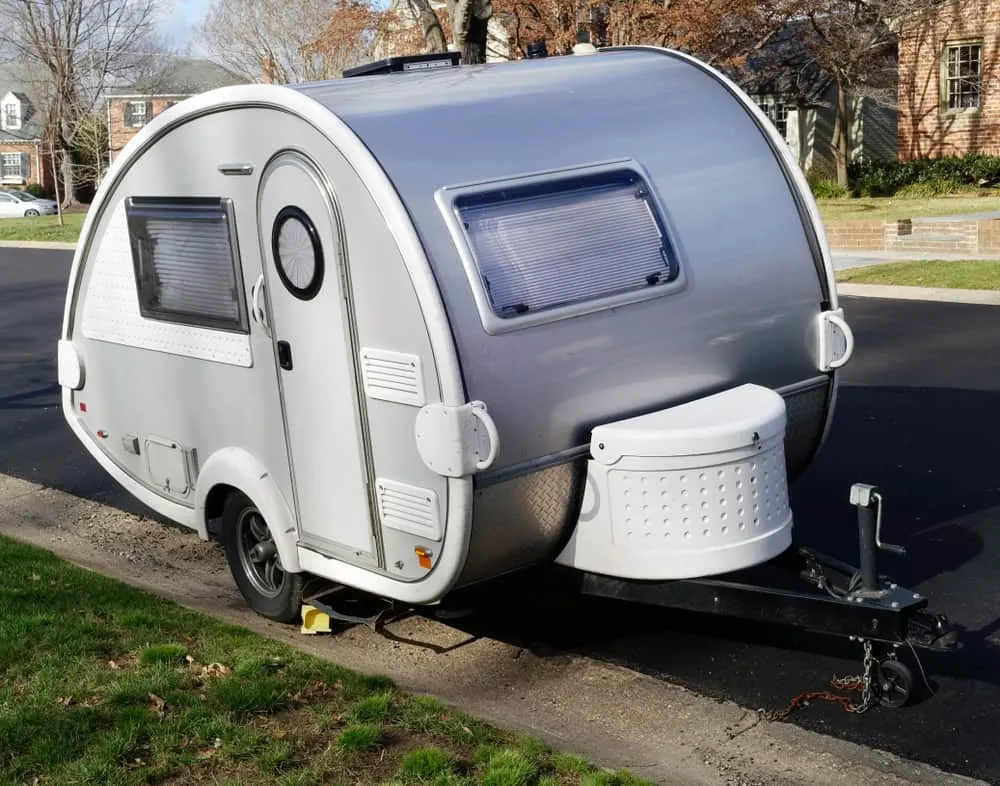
(409, 509)
(393, 376)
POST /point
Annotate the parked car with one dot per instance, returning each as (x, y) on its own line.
(20, 203)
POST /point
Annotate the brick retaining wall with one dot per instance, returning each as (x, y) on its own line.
(863, 234)
(942, 236)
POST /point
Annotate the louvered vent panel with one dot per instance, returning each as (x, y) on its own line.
(393, 376)
(409, 509)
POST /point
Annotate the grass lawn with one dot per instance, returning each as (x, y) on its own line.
(961, 274)
(43, 228)
(104, 684)
(890, 208)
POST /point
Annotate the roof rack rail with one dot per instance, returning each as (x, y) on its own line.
(406, 63)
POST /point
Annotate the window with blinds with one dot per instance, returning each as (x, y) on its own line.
(185, 261)
(560, 242)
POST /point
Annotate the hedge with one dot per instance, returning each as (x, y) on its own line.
(923, 177)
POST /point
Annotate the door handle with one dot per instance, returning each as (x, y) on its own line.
(257, 308)
(285, 355)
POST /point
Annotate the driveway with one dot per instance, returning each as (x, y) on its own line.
(919, 415)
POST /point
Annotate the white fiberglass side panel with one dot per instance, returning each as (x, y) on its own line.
(370, 192)
(111, 310)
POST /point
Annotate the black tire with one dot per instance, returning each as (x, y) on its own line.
(254, 563)
(895, 683)
(31, 212)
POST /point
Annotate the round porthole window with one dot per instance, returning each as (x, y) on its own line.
(297, 252)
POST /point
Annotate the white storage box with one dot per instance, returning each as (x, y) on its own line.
(695, 490)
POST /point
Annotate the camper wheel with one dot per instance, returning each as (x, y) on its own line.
(255, 564)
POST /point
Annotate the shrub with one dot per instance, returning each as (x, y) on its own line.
(828, 189)
(924, 177)
(35, 190)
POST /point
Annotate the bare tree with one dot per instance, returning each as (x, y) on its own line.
(350, 36)
(855, 43)
(720, 32)
(416, 25)
(75, 50)
(289, 40)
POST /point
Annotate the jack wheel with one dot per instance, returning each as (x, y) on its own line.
(895, 683)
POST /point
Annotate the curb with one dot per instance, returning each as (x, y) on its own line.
(52, 245)
(982, 297)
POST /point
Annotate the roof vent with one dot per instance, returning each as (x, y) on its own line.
(390, 65)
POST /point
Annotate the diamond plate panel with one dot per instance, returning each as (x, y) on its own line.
(521, 521)
(806, 412)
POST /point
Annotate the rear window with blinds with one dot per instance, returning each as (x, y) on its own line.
(571, 240)
(185, 261)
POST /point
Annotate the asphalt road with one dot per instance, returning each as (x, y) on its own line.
(918, 415)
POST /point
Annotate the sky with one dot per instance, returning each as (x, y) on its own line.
(180, 23)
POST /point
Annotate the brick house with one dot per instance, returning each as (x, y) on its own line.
(22, 159)
(949, 83)
(130, 108)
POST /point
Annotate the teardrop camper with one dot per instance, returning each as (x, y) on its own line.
(409, 332)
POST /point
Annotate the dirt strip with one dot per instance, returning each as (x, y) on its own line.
(612, 716)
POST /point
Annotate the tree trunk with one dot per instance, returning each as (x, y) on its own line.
(68, 178)
(469, 25)
(841, 140)
(474, 49)
(55, 183)
(430, 26)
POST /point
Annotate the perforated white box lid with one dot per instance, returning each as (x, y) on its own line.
(733, 419)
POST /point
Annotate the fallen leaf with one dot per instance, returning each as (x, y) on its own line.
(467, 730)
(158, 704)
(35, 577)
(189, 659)
(215, 670)
(53, 583)
(207, 753)
(64, 701)
(113, 666)
(218, 742)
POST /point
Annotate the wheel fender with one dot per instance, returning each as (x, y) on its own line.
(240, 469)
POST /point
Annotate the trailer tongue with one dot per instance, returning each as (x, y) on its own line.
(800, 588)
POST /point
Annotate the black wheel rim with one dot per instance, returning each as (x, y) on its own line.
(259, 554)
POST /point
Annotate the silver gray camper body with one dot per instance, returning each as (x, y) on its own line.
(415, 331)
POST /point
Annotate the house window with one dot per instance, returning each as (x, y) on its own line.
(777, 112)
(137, 113)
(186, 264)
(11, 165)
(963, 76)
(11, 116)
(565, 241)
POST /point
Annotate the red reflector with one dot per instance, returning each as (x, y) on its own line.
(83, 407)
(102, 434)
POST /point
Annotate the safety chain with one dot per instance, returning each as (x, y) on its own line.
(864, 684)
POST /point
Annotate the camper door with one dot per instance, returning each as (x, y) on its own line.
(310, 315)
